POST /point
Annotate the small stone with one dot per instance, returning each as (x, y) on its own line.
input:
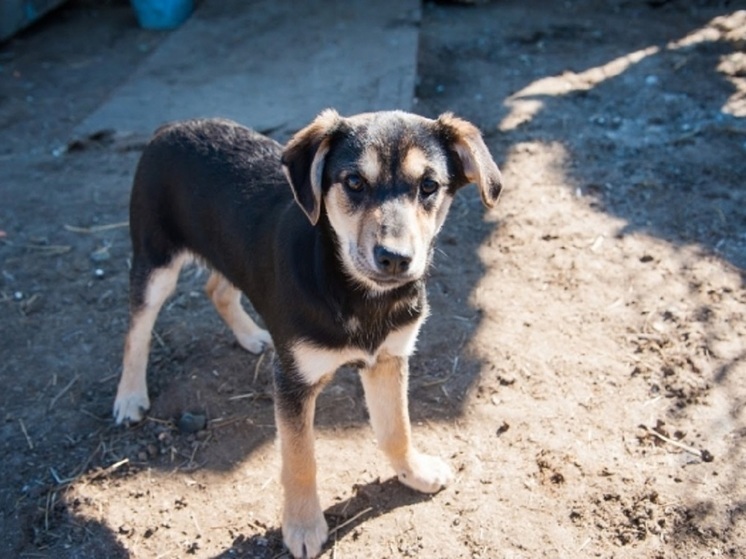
(191, 422)
(598, 119)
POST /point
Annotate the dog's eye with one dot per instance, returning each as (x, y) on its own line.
(428, 186)
(354, 182)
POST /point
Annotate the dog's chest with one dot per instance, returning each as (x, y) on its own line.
(314, 362)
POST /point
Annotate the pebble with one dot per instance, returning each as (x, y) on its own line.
(191, 422)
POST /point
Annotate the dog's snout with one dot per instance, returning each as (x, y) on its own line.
(390, 262)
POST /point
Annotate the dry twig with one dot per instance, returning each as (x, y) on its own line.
(242, 396)
(96, 228)
(256, 368)
(223, 422)
(25, 434)
(62, 392)
(50, 249)
(350, 521)
(705, 455)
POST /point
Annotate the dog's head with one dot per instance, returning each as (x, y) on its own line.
(385, 182)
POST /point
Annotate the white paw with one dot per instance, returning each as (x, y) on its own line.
(257, 342)
(130, 407)
(304, 538)
(427, 474)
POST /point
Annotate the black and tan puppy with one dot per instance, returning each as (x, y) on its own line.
(335, 265)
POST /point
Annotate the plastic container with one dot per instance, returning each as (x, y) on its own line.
(162, 14)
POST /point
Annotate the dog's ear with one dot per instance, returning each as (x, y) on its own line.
(477, 165)
(303, 161)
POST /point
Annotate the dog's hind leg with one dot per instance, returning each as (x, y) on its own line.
(149, 289)
(227, 300)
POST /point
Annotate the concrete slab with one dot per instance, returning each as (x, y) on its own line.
(272, 64)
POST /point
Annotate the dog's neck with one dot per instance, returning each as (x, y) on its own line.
(381, 312)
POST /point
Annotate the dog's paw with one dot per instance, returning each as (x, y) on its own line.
(257, 342)
(305, 537)
(427, 474)
(130, 407)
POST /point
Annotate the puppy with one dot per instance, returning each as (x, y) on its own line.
(335, 264)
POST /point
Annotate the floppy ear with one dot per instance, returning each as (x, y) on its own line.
(303, 162)
(477, 164)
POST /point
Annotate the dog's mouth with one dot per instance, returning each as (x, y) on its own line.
(360, 270)
(382, 284)
(391, 281)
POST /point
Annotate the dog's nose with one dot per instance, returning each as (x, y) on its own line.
(390, 262)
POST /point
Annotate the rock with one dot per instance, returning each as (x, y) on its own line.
(191, 422)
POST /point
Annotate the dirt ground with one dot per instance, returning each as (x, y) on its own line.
(583, 369)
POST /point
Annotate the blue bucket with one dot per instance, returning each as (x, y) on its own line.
(162, 14)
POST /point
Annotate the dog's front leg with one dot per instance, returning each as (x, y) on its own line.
(385, 386)
(304, 528)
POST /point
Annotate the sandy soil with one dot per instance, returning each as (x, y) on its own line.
(583, 369)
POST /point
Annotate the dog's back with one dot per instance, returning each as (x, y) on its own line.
(232, 172)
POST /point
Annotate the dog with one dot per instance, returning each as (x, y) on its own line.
(330, 239)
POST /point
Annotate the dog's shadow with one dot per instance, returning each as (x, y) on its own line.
(345, 519)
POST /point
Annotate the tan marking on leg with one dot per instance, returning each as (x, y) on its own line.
(304, 528)
(132, 394)
(227, 300)
(370, 165)
(385, 387)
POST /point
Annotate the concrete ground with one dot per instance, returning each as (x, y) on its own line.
(272, 65)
